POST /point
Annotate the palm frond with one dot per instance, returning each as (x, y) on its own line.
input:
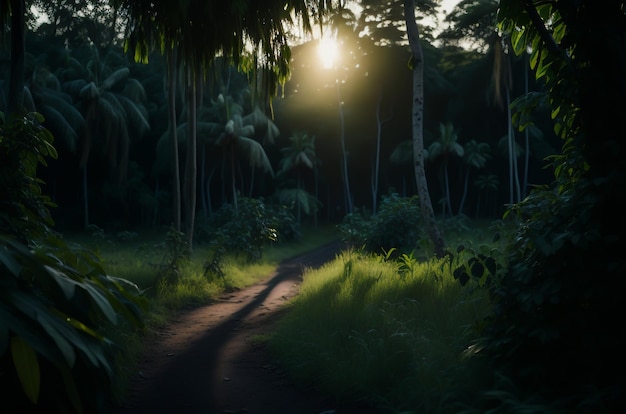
(116, 77)
(134, 114)
(403, 153)
(134, 90)
(89, 91)
(74, 87)
(257, 157)
(29, 102)
(307, 202)
(63, 104)
(58, 124)
(208, 132)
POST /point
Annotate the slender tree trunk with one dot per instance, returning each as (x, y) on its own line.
(447, 183)
(298, 204)
(209, 200)
(317, 195)
(376, 172)
(85, 197)
(417, 58)
(252, 174)
(232, 174)
(344, 163)
(526, 135)
(15, 99)
(172, 122)
(465, 185)
(514, 191)
(190, 161)
(203, 189)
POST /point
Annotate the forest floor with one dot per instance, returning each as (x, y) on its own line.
(211, 360)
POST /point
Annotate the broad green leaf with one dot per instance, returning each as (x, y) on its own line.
(61, 342)
(519, 41)
(542, 70)
(7, 258)
(99, 299)
(20, 326)
(27, 367)
(67, 285)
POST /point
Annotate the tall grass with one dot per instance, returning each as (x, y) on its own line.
(140, 259)
(391, 333)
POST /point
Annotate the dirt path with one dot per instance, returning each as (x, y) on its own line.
(207, 362)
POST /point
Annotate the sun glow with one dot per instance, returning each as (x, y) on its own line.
(328, 51)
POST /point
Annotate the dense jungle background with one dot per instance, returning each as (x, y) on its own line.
(109, 116)
(473, 160)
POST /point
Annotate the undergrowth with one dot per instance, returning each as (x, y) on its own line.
(397, 334)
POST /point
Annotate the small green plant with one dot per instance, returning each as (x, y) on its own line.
(481, 266)
(175, 252)
(244, 231)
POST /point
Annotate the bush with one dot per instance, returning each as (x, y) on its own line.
(397, 225)
(58, 307)
(243, 231)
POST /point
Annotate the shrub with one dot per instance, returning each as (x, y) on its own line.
(397, 225)
(58, 307)
(244, 231)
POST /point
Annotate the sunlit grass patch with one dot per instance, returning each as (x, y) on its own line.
(371, 329)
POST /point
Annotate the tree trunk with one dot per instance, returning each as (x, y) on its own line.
(233, 177)
(465, 185)
(344, 160)
(376, 172)
(15, 101)
(190, 161)
(446, 178)
(85, 198)
(417, 58)
(171, 112)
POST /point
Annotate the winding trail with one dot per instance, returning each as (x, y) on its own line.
(206, 361)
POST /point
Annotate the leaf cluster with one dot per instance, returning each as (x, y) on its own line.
(59, 309)
(24, 145)
(246, 230)
(397, 225)
(565, 279)
(58, 306)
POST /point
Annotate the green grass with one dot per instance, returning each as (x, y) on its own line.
(396, 334)
(139, 258)
(393, 335)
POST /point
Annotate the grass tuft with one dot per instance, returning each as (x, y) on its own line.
(365, 328)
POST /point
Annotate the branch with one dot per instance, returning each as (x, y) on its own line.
(543, 32)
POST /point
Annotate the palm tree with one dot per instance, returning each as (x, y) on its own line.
(417, 63)
(486, 183)
(62, 117)
(266, 130)
(475, 156)
(235, 133)
(445, 147)
(298, 155)
(251, 35)
(111, 104)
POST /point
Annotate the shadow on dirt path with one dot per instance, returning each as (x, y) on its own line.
(206, 360)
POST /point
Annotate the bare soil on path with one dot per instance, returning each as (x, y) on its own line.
(208, 361)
